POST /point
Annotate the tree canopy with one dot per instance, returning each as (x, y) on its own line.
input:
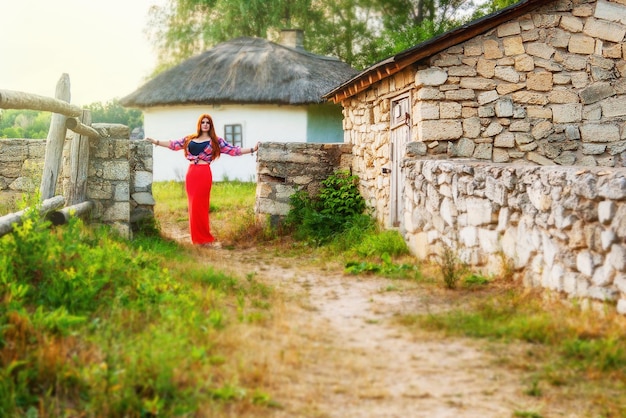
(359, 32)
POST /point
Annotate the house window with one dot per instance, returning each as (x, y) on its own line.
(232, 134)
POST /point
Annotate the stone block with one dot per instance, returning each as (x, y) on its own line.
(513, 45)
(614, 107)
(539, 81)
(508, 29)
(430, 77)
(594, 132)
(581, 44)
(612, 32)
(487, 97)
(460, 95)
(529, 98)
(426, 111)
(571, 23)
(477, 83)
(504, 140)
(449, 110)
(492, 49)
(471, 127)
(462, 71)
(562, 96)
(524, 63)
(483, 151)
(610, 11)
(540, 49)
(504, 107)
(507, 88)
(485, 68)
(440, 130)
(507, 73)
(567, 113)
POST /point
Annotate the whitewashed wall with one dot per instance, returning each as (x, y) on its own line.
(262, 123)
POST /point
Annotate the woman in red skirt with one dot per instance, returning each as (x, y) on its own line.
(201, 148)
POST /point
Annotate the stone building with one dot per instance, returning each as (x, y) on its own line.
(504, 140)
(541, 82)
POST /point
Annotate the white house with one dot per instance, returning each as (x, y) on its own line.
(254, 89)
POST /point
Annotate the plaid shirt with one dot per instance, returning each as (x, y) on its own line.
(207, 153)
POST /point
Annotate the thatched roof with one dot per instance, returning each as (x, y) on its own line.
(244, 70)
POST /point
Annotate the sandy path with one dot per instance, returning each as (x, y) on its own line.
(334, 350)
(364, 365)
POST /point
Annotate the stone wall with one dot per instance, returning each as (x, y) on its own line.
(285, 168)
(119, 174)
(547, 88)
(561, 228)
(516, 148)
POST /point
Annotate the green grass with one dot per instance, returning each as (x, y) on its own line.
(90, 322)
(573, 355)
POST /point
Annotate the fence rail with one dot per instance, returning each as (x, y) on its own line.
(65, 116)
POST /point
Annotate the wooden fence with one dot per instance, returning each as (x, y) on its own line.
(65, 116)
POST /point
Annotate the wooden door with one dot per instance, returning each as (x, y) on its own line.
(400, 134)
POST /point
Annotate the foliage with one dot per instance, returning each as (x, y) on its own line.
(114, 112)
(359, 32)
(24, 124)
(35, 124)
(91, 322)
(318, 218)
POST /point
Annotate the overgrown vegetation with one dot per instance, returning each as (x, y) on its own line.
(335, 219)
(93, 325)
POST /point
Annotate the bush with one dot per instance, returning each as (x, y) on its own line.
(318, 218)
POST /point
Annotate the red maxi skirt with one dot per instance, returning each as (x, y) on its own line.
(198, 186)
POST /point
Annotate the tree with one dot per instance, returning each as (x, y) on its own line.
(114, 112)
(24, 124)
(359, 32)
(35, 124)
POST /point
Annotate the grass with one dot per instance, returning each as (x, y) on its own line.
(91, 325)
(568, 354)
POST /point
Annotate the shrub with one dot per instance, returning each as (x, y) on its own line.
(318, 218)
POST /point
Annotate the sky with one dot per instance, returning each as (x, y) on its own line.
(100, 44)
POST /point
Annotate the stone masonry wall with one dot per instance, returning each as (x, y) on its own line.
(561, 228)
(119, 174)
(516, 150)
(547, 88)
(285, 168)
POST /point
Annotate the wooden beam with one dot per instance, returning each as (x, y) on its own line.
(62, 216)
(54, 143)
(79, 163)
(75, 125)
(10, 99)
(7, 222)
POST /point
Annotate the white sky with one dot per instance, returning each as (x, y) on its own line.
(100, 44)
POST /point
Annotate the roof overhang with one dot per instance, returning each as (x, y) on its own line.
(400, 61)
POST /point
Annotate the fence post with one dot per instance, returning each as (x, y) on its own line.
(54, 142)
(79, 164)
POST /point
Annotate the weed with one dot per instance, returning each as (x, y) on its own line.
(451, 268)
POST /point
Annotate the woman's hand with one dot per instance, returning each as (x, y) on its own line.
(152, 141)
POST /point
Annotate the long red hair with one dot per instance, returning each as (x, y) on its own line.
(215, 144)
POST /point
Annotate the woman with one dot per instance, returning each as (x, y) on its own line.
(201, 148)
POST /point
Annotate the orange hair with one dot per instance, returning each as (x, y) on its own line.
(215, 144)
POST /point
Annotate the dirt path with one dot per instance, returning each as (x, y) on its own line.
(334, 350)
